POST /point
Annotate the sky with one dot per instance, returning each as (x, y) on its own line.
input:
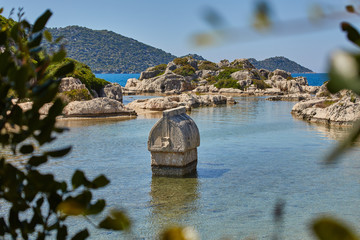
(172, 25)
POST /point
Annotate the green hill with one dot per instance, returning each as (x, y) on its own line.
(282, 63)
(108, 52)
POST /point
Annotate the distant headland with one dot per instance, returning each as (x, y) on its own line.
(108, 52)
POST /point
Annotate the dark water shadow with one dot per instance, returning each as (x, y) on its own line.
(211, 173)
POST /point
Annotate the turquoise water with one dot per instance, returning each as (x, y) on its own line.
(314, 79)
(251, 155)
(117, 78)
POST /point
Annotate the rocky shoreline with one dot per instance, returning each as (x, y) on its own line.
(192, 83)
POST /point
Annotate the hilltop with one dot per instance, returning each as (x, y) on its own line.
(282, 63)
(107, 51)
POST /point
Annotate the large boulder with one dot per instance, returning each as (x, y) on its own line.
(161, 84)
(245, 75)
(112, 91)
(187, 100)
(98, 107)
(70, 83)
(279, 75)
(242, 63)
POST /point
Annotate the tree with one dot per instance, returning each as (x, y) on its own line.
(46, 201)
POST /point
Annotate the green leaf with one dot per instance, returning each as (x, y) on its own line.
(27, 149)
(81, 235)
(37, 160)
(59, 56)
(99, 182)
(58, 153)
(48, 36)
(117, 220)
(35, 42)
(41, 21)
(96, 208)
(3, 37)
(65, 69)
(352, 34)
(78, 179)
(331, 229)
(71, 207)
(62, 233)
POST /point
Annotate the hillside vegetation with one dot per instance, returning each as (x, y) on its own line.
(108, 52)
(282, 63)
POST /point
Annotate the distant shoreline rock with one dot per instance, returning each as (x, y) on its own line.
(187, 100)
(239, 77)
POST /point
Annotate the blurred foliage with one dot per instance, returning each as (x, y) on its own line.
(38, 203)
(344, 73)
(83, 73)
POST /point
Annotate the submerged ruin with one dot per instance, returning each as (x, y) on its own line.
(173, 143)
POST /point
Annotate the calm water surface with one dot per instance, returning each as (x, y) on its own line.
(251, 155)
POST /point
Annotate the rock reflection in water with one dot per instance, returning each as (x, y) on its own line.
(86, 122)
(173, 200)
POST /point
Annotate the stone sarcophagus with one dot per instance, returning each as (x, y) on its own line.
(173, 143)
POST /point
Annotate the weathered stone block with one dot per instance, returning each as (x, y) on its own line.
(173, 143)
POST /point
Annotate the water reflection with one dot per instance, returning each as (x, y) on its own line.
(173, 200)
(86, 122)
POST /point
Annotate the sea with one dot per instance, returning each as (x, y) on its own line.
(252, 156)
(314, 79)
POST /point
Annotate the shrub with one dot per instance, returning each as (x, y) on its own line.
(228, 83)
(77, 95)
(211, 79)
(207, 65)
(160, 67)
(83, 73)
(225, 74)
(260, 84)
(185, 70)
(181, 61)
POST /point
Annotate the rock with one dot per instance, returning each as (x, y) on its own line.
(173, 143)
(44, 110)
(242, 63)
(132, 82)
(264, 73)
(70, 83)
(149, 74)
(113, 91)
(201, 89)
(166, 82)
(280, 73)
(244, 75)
(187, 100)
(334, 111)
(230, 91)
(171, 66)
(98, 107)
(223, 63)
(205, 73)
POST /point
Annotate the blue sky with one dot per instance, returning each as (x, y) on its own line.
(170, 25)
